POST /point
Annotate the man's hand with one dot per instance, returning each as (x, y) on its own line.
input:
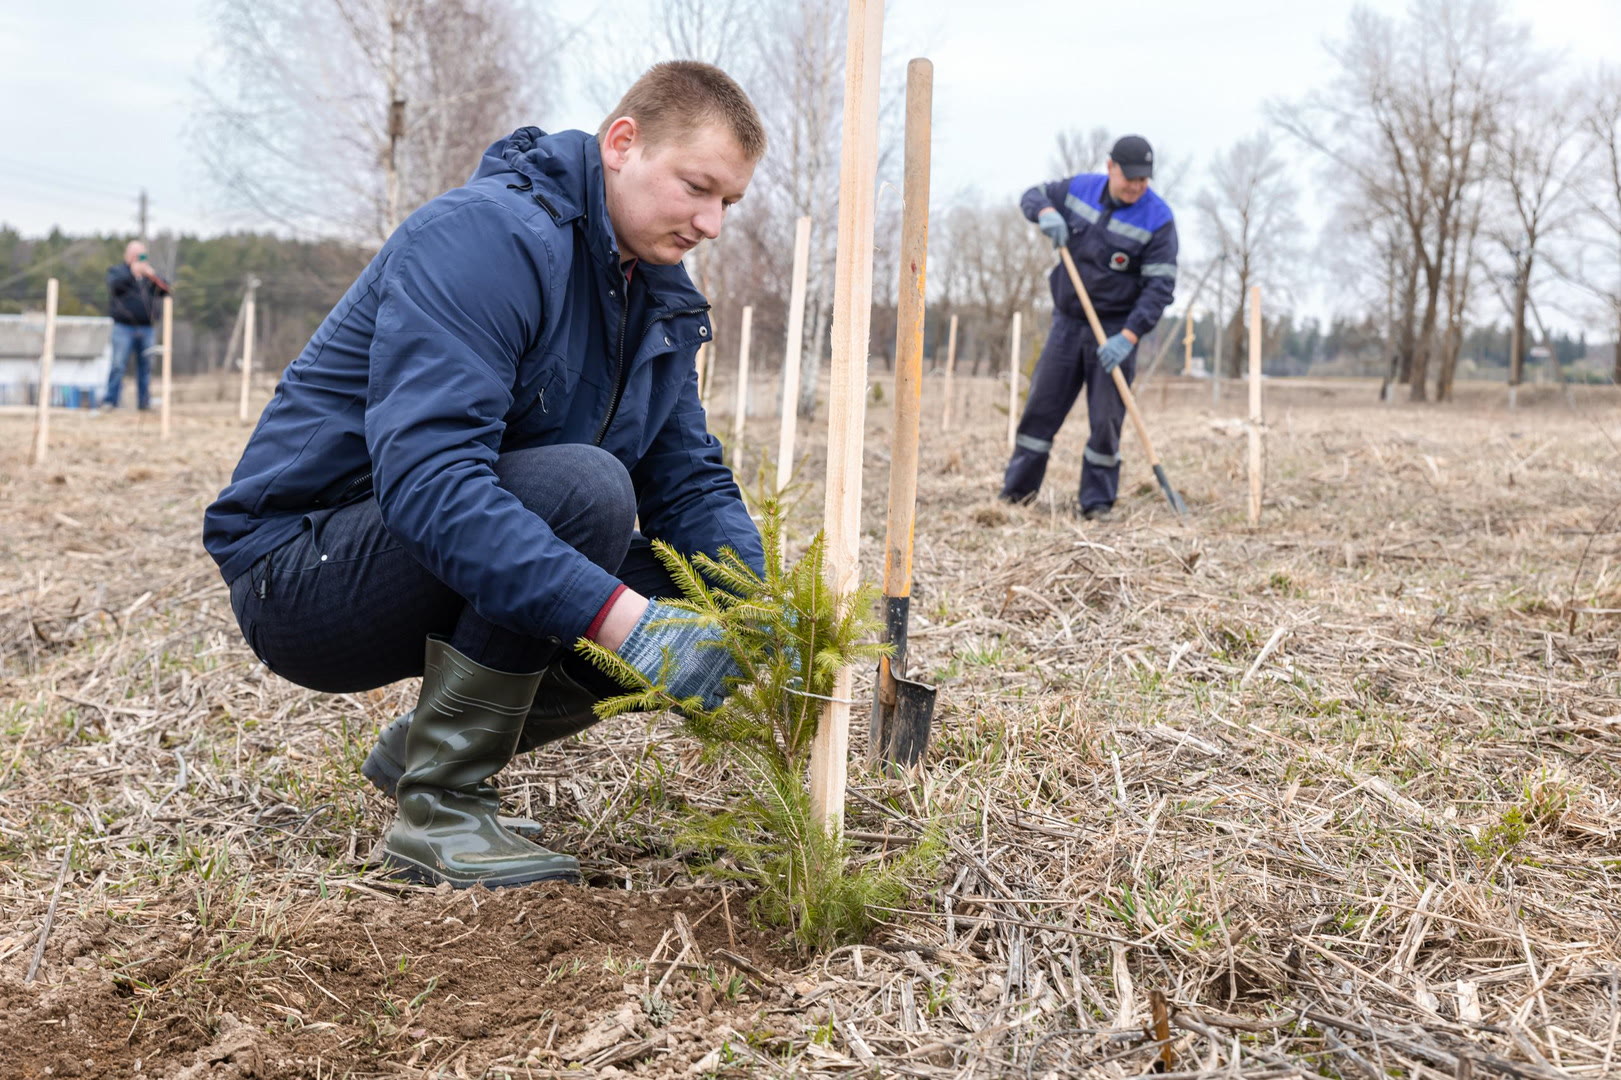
(1051, 222)
(699, 665)
(1116, 349)
(141, 269)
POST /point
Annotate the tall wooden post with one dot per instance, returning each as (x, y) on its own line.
(795, 349)
(951, 367)
(1255, 404)
(703, 363)
(168, 365)
(1221, 330)
(249, 303)
(852, 316)
(1187, 345)
(1013, 382)
(741, 414)
(47, 359)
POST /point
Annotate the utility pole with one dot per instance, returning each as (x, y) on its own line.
(140, 216)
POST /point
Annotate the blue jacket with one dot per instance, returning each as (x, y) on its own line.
(131, 300)
(493, 319)
(1126, 255)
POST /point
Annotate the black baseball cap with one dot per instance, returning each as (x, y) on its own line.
(1134, 156)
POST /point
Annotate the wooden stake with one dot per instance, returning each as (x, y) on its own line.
(1187, 345)
(951, 367)
(248, 305)
(168, 364)
(47, 358)
(791, 358)
(702, 363)
(741, 414)
(852, 316)
(1013, 382)
(1255, 404)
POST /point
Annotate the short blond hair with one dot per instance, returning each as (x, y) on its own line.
(675, 98)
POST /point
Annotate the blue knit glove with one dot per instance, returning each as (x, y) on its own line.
(1111, 352)
(697, 668)
(1052, 223)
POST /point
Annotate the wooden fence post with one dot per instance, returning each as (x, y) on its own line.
(249, 304)
(1255, 404)
(47, 359)
(168, 365)
(1013, 383)
(791, 358)
(852, 317)
(951, 367)
(741, 414)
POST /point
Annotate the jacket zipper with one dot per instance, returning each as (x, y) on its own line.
(353, 487)
(623, 373)
(620, 374)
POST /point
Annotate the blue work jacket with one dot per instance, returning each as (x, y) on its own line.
(494, 319)
(1126, 254)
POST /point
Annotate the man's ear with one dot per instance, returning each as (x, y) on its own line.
(621, 135)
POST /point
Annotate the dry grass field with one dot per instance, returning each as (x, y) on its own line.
(1334, 795)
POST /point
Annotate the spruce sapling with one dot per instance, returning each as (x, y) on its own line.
(789, 635)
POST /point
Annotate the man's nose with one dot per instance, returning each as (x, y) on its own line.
(707, 220)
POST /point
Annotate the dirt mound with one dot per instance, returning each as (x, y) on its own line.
(544, 978)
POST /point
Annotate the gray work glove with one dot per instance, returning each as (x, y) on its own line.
(1052, 223)
(1112, 351)
(698, 664)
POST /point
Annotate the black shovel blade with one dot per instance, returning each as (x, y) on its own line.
(902, 708)
(910, 722)
(1171, 496)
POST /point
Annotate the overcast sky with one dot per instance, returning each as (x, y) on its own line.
(96, 92)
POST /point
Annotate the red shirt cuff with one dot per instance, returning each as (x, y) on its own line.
(602, 615)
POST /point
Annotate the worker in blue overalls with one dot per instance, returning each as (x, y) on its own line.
(1123, 239)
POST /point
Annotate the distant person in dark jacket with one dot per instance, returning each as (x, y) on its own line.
(448, 480)
(133, 288)
(1123, 239)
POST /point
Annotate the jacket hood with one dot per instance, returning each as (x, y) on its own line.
(566, 171)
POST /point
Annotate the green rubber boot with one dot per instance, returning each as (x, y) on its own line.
(562, 708)
(463, 731)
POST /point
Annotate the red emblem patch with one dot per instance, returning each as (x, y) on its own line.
(1118, 260)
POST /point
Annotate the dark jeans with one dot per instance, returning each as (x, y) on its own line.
(1069, 362)
(127, 341)
(343, 607)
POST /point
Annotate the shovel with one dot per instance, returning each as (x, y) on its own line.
(1120, 384)
(903, 710)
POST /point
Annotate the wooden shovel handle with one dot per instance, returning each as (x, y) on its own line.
(1120, 383)
(909, 333)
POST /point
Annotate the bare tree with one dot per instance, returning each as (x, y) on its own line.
(1597, 269)
(1406, 121)
(344, 115)
(1537, 154)
(988, 262)
(1248, 210)
(1081, 151)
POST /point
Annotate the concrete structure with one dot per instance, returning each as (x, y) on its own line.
(84, 353)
